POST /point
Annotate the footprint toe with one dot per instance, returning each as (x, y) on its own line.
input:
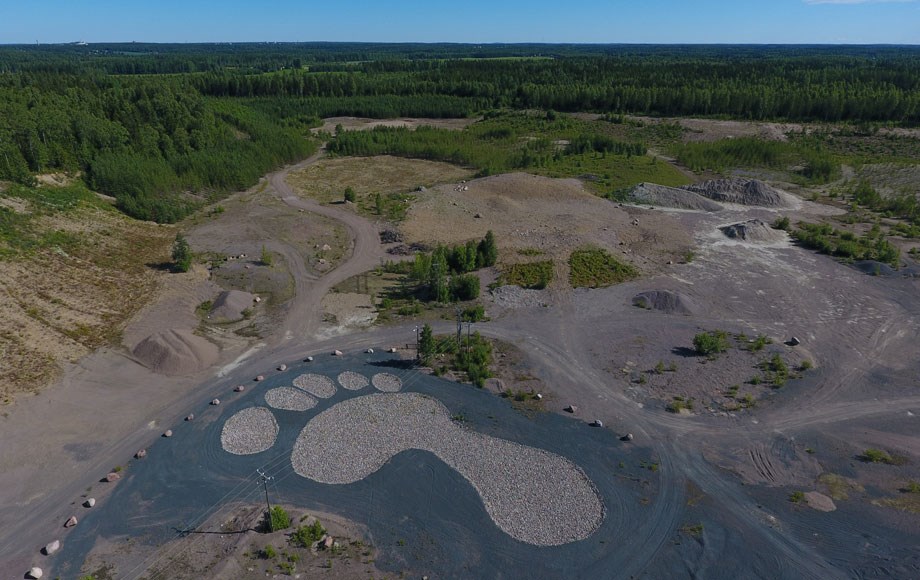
(317, 385)
(289, 399)
(353, 381)
(250, 431)
(386, 382)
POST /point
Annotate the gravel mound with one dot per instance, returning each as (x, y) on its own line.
(288, 399)
(741, 191)
(665, 301)
(229, 306)
(517, 297)
(316, 385)
(534, 496)
(353, 381)
(387, 382)
(662, 196)
(250, 431)
(175, 352)
(757, 231)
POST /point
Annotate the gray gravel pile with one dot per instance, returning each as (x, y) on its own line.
(663, 196)
(289, 399)
(387, 383)
(741, 191)
(533, 495)
(249, 431)
(316, 385)
(353, 381)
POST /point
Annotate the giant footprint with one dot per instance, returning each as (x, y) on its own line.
(532, 495)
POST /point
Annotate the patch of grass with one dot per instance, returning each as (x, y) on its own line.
(695, 530)
(593, 267)
(878, 456)
(531, 252)
(678, 404)
(797, 497)
(536, 275)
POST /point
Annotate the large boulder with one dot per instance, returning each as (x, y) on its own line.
(71, 522)
(52, 547)
(35, 572)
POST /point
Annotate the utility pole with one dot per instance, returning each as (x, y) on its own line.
(459, 328)
(265, 479)
(468, 327)
(418, 355)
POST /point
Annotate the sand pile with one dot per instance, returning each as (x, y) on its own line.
(665, 301)
(757, 231)
(662, 196)
(229, 306)
(741, 191)
(175, 352)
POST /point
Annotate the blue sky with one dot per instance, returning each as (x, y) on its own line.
(613, 21)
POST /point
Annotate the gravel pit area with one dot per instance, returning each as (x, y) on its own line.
(534, 496)
(249, 431)
(289, 399)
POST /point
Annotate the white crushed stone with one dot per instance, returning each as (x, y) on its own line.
(353, 381)
(249, 431)
(534, 496)
(387, 382)
(289, 399)
(316, 385)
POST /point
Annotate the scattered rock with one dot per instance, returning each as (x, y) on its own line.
(52, 547)
(597, 423)
(71, 522)
(260, 378)
(793, 341)
(282, 367)
(328, 542)
(757, 231)
(308, 359)
(336, 353)
(571, 409)
(141, 454)
(538, 397)
(167, 433)
(112, 476)
(819, 501)
(190, 417)
(215, 402)
(393, 349)
(90, 502)
(239, 389)
(257, 300)
(627, 437)
(478, 216)
(370, 351)
(326, 247)
(35, 572)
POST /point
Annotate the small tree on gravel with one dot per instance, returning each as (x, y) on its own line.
(711, 343)
(426, 345)
(350, 194)
(181, 254)
(378, 204)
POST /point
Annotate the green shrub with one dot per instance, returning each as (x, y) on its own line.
(268, 553)
(181, 254)
(875, 456)
(279, 519)
(350, 195)
(710, 343)
(797, 497)
(305, 536)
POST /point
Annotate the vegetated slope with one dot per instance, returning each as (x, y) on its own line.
(72, 271)
(150, 143)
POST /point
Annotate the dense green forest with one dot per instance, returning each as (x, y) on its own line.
(165, 128)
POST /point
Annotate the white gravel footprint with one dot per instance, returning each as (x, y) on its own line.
(533, 495)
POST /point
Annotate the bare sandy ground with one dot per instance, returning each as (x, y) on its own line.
(362, 124)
